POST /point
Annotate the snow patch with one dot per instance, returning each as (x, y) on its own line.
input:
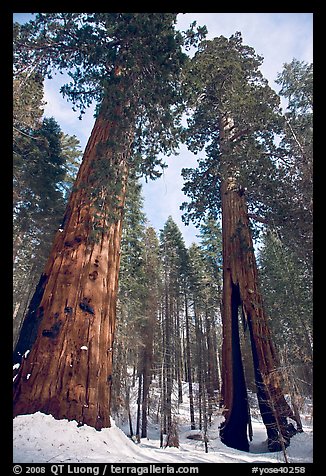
(39, 438)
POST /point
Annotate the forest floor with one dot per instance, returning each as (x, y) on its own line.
(39, 438)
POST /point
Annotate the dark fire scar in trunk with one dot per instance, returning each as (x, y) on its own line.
(233, 431)
(33, 318)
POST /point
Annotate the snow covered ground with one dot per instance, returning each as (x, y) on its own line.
(39, 438)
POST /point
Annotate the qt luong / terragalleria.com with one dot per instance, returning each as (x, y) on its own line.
(57, 469)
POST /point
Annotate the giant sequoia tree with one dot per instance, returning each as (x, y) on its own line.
(235, 116)
(130, 64)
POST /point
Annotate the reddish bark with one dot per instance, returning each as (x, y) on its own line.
(68, 372)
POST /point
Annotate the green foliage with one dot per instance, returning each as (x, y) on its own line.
(132, 244)
(70, 147)
(294, 221)
(130, 61)
(27, 89)
(38, 169)
(204, 280)
(287, 291)
(139, 272)
(211, 244)
(139, 290)
(40, 172)
(201, 184)
(27, 103)
(173, 252)
(223, 81)
(296, 82)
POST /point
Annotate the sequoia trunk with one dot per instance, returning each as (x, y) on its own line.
(240, 292)
(68, 372)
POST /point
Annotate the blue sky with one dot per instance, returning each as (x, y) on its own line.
(278, 37)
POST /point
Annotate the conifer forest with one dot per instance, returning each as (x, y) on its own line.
(116, 322)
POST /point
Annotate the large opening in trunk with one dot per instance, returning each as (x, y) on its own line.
(234, 430)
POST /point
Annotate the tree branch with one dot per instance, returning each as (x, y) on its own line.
(295, 137)
(239, 134)
(255, 217)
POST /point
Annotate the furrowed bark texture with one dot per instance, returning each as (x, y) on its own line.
(68, 372)
(240, 291)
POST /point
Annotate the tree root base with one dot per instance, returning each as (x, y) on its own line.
(278, 443)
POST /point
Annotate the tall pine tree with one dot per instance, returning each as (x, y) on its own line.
(174, 256)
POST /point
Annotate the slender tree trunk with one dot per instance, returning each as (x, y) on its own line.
(216, 364)
(148, 358)
(178, 352)
(168, 361)
(240, 290)
(189, 372)
(211, 369)
(68, 372)
(146, 366)
(146, 383)
(201, 383)
(139, 402)
(128, 410)
(28, 286)
(163, 392)
(163, 373)
(168, 352)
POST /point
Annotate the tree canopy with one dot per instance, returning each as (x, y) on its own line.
(134, 58)
(224, 80)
